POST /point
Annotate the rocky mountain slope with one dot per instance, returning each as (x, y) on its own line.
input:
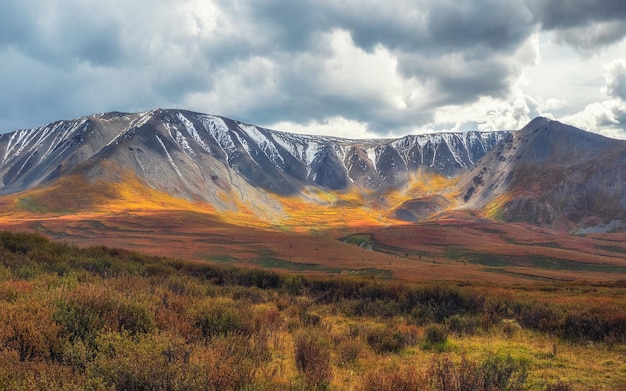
(217, 160)
(553, 174)
(547, 173)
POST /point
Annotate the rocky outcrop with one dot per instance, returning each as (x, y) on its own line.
(549, 173)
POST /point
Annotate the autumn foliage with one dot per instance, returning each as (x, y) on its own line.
(99, 318)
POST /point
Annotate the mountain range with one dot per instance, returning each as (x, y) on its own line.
(547, 173)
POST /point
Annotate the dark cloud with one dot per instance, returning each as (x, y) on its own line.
(32, 92)
(458, 80)
(383, 64)
(13, 29)
(302, 94)
(583, 24)
(586, 39)
(291, 24)
(564, 14)
(64, 36)
(491, 24)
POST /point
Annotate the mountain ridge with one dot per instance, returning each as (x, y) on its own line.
(547, 173)
(200, 156)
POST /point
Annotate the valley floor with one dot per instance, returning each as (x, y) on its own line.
(454, 248)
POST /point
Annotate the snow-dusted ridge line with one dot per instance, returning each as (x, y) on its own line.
(220, 132)
(179, 139)
(246, 147)
(269, 159)
(192, 131)
(31, 140)
(267, 146)
(25, 162)
(295, 149)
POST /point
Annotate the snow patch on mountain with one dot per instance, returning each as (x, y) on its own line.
(371, 155)
(218, 129)
(311, 152)
(264, 143)
(192, 131)
(295, 147)
(169, 157)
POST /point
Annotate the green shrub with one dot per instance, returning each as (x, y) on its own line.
(135, 318)
(88, 310)
(185, 286)
(78, 322)
(222, 318)
(539, 316)
(385, 340)
(503, 373)
(251, 295)
(435, 334)
(136, 363)
(463, 324)
(164, 361)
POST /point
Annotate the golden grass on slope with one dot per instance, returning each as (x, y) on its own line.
(493, 209)
(74, 194)
(314, 209)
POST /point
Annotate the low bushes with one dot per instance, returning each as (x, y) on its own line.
(222, 318)
(443, 374)
(462, 325)
(435, 336)
(28, 329)
(312, 356)
(385, 340)
(132, 322)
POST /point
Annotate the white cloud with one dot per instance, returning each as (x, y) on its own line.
(606, 118)
(240, 87)
(615, 75)
(335, 126)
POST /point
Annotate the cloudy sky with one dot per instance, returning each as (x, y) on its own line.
(352, 68)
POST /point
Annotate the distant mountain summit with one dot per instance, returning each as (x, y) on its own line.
(549, 173)
(215, 159)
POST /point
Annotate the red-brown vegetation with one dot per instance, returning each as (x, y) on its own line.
(108, 319)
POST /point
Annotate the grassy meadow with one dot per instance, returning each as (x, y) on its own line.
(99, 318)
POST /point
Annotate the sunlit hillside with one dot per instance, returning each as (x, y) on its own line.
(313, 209)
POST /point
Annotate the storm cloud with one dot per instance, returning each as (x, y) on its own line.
(383, 68)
